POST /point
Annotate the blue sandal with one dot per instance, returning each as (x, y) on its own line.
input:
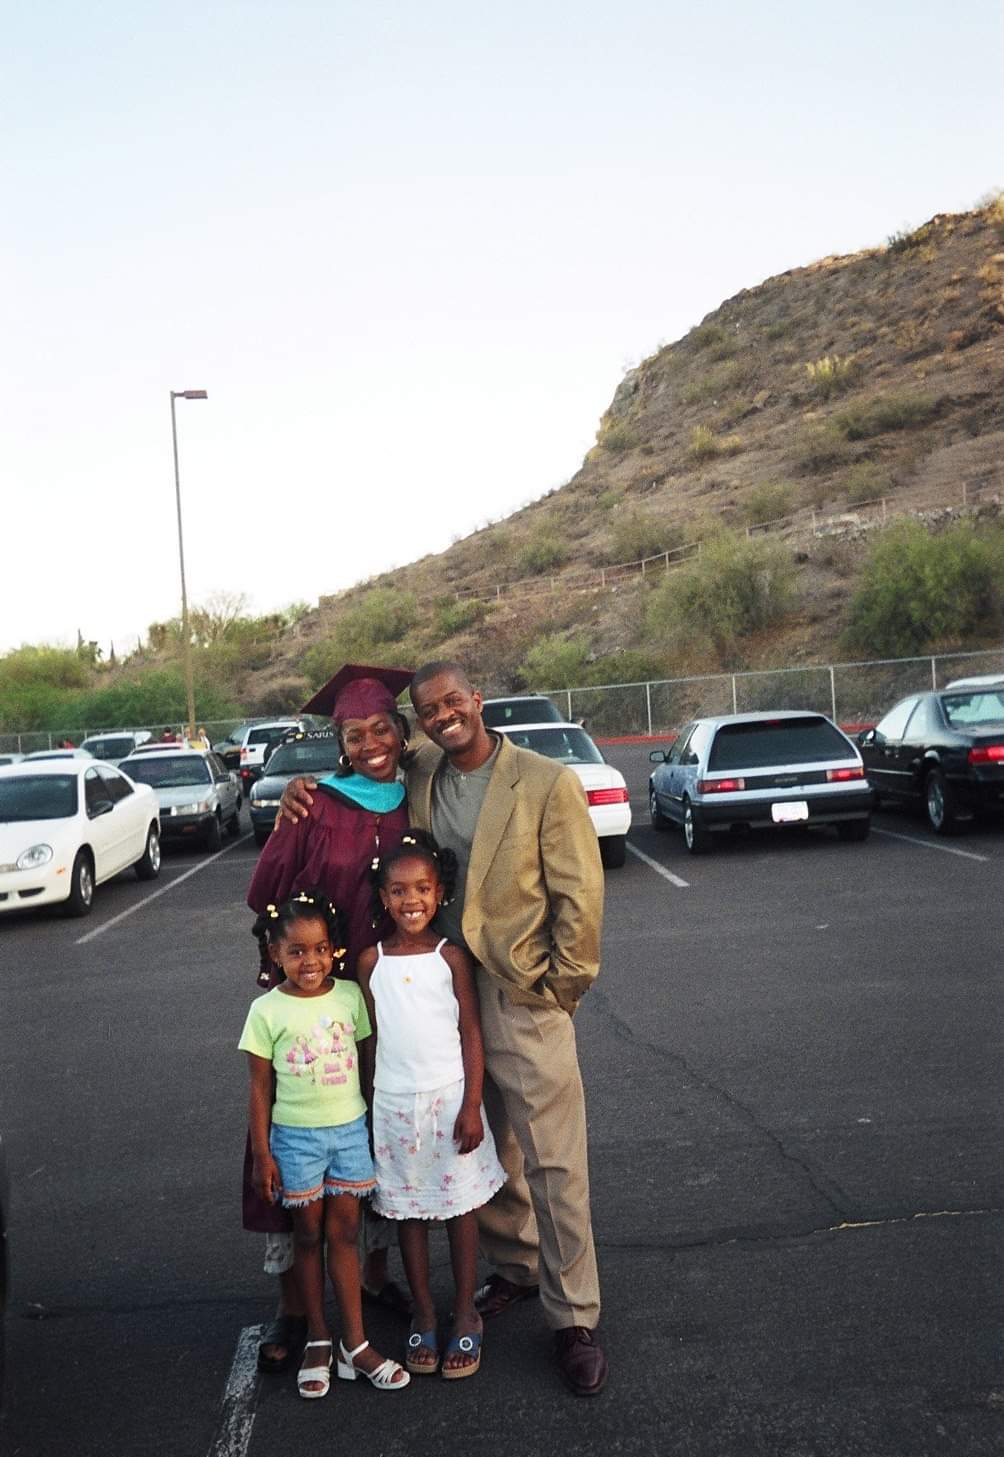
(468, 1345)
(418, 1341)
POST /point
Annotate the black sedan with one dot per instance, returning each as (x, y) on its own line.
(314, 751)
(943, 751)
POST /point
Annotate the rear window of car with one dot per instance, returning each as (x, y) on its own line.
(110, 748)
(38, 797)
(768, 743)
(569, 745)
(966, 710)
(164, 771)
(519, 710)
(262, 735)
(305, 758)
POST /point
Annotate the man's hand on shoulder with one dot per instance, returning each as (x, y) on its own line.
(297, 799)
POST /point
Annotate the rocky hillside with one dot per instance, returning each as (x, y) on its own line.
(874, 377)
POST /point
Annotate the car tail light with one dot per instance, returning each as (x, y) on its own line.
(607, 796)
(720, 786)
(990, 754)
(839, 775)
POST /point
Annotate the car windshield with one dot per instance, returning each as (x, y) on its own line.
(305, 758)
(519, 710)
(110, 748)
(165, 771)
(38, 797)
(974, 710)
(570, 745)
(776, 743)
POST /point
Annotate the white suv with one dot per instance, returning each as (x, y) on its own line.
(258, 742)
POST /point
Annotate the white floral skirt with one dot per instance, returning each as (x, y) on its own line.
(420, 1174)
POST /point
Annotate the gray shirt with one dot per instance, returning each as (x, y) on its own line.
(456, 803)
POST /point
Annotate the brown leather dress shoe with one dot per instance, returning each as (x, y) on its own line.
(498, 1293)
(581, 1361)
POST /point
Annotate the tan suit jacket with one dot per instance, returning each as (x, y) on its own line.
(533, 908)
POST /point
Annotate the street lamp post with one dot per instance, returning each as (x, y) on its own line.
(186, 636)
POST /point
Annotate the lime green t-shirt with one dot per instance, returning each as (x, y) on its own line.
(311, 1043)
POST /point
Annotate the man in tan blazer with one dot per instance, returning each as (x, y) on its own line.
(529, 906)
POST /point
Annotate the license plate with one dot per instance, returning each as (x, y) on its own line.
(788, 813)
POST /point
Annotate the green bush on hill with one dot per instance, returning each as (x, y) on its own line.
(638, 534)
(891, 412)
(565, 661)
(770, 501)
(541, 553)
(921, 591)
(736, 586)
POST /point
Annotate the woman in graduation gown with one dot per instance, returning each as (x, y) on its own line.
(358, 813)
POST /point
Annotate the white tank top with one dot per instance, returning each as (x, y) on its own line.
(418, 1022)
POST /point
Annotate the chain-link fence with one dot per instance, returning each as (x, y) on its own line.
(848, 692)
(851, 693)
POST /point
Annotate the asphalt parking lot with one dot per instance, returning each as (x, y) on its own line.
(791, 1061)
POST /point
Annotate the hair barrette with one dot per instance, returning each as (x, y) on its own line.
(375, 863)
(272, 913)
(304, 898)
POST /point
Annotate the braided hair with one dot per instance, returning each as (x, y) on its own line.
(415, 845)
(273, 925)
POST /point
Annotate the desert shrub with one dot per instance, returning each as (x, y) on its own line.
(728, 376)
(780, 329)
(865, 481)
(920, 591)
(618, 438)
(714, 339)
(156, 695)
(832, 375)
(706, 445)
(452, 616)
(557, 661)
(769, 502)
(904, 240)
(541, 553)
(607, 500)
(891, 412)
(364, 633)
(736, 586)
(637, 534)
(817, 447)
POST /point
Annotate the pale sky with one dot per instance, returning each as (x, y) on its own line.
(409, 251)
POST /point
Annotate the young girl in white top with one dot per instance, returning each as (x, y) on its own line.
(435, 1156)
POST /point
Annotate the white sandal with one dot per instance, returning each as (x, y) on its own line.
(382, 1377)
(320, 1374)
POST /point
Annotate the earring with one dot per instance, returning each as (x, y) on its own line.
(344, 761)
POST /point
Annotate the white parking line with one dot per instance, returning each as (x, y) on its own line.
(123, 915)
(659, 869)
(233, 1434)
(930, 845)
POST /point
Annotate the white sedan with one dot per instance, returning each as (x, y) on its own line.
(66, 825)
(605, 786)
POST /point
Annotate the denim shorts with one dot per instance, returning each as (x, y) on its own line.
(318, 1161)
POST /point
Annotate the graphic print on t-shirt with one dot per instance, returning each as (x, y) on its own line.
(323, 1055)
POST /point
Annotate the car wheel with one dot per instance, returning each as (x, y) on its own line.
(261, 837)
(214, 834)
(613, 851)
(234, 824)
(655, 814)
(148, 868)
(81, 896)
(854, 830)
(696, 838)
(940, 804)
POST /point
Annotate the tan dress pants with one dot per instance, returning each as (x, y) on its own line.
(537, 1229)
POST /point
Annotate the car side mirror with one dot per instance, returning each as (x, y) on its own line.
(866, 737)
(658, 756)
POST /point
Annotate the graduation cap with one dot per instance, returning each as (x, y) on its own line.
(357, 691)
